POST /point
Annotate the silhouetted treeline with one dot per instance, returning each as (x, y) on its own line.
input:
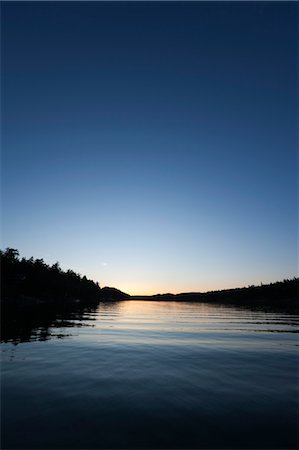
(281, 294)
(30, 281)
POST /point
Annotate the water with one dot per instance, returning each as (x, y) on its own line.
(138, 374)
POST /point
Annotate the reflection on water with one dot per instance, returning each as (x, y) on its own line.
(138, 374)
(39, 323)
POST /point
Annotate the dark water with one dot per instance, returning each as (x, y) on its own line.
(153, 375)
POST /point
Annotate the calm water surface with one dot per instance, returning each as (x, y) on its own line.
(138, 374)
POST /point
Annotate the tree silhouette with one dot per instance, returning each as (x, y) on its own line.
(34, 279)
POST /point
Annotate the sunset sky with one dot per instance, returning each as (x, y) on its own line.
(152, 146)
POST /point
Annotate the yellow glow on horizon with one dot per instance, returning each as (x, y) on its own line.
(161, 289)
(147, 286)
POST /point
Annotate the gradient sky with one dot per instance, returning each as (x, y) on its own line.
(152, 146)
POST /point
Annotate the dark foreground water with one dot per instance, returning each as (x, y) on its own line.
(153, 375)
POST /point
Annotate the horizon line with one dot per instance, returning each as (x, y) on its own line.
(295, 277)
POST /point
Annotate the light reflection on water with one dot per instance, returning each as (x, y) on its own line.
(138, 374)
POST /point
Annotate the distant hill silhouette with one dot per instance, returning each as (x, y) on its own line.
(109, 293)
(281, 294)
(29, 282)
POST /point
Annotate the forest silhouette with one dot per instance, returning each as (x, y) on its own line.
(37, 298)
(32, 282)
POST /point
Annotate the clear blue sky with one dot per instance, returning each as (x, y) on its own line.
(152, 146)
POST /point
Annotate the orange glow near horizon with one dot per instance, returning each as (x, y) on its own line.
(161, 289)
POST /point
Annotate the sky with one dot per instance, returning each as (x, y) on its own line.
(152, 146)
